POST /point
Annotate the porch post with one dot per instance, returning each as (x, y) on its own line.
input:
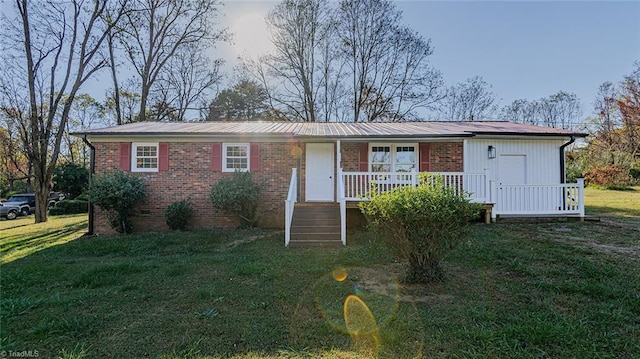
(494, 198)
(487, 186)
(343, 207)
(580, 182)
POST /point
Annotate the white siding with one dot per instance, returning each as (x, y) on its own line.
(542, 157)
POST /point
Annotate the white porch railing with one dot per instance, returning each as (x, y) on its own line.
(358, 185)
(289, 205)
(343, 208)
(552, 199)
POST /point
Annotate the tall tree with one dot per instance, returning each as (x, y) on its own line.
(14, 165)
(300, 30)
(85, 111)
(351, 61)
(629, 106)
(190, 76)
(53, 49)
(390, 75)
(157, 30)
(521, 111)
(245, 101)
(560, 110)
(472, 100)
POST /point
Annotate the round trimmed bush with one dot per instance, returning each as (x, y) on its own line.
(178, 215)
(118, 193)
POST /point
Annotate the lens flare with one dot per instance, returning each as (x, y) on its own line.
(339, 274)
(361, 325)
(364, 304)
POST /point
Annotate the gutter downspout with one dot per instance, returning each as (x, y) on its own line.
(92, 171)
(562, 169)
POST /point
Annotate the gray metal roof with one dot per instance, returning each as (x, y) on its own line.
(333, 130)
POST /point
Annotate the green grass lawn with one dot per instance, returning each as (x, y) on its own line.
(557, 290)
(613, 203)
(21, 237)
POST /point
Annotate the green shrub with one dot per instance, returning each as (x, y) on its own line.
(70, 206)
(422, 223)
(238, 195)
(71, 179)
(634, 172)
(178, 215)
(118, 193)
(83, 197)
(610, 177)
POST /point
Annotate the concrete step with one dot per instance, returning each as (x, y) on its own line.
(323, 236)
(315, 229)
(314, 221)
(320, 212)
(314, 243)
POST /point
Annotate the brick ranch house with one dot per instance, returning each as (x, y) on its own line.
(518, 168)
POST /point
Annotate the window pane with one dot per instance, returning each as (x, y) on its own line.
(146, 162)
(380, 154)
(237, 163)
(380, 168)
(146, 151)
(405, 155)
(237, 151)
(146, 157)
(404, 168)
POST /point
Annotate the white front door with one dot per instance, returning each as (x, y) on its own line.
(512, 169)
(319, 183)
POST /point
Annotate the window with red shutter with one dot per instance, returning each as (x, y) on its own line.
(425, 162)
(125, 156)
(163, 157)
(363, 157)
(254, 157)
(216, 156)
(145, 157)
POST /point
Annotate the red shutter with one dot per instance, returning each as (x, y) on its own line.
(425, 164)
(216, 156)
(125, 156)
(363, 159)
(254, 157)
(163, 157)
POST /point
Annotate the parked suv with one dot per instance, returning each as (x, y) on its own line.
(27, 202)
(9, 211)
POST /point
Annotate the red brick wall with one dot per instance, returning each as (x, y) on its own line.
(190, 175)
(350, 156)
(446, 157)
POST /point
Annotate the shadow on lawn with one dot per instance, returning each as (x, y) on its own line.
(20, 245)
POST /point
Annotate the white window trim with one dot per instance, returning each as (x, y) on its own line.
(393, 146)
(224, 157)
(134, 156)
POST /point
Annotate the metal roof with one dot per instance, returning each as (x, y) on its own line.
(333, 130)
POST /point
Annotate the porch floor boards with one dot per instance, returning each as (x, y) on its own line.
(315, 224)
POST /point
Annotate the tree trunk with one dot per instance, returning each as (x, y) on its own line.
(114, 77)
(42, 199)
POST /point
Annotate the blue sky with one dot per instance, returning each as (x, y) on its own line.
(523, 49)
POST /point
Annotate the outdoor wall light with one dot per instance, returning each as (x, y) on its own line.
(491, 151)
